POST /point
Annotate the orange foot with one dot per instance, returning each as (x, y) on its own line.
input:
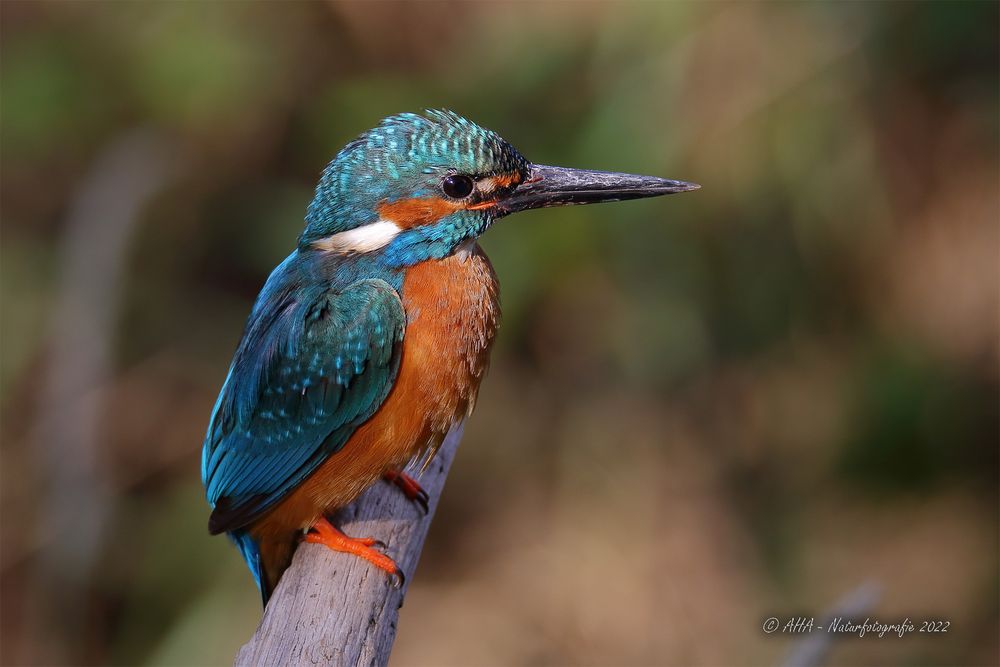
(411, 489)
(327, 534)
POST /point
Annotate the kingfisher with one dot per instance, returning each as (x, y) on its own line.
(368, 343)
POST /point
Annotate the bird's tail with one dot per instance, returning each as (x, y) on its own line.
(267, 561)
(250, 549)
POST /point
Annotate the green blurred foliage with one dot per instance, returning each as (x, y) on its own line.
(732, 404)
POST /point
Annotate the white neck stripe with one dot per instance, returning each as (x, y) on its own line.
(361, 239)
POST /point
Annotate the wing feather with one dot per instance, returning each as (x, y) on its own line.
(309, 370)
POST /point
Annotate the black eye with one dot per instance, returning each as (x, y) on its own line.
(457, 186)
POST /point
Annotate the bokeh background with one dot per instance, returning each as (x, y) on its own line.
(703, 410)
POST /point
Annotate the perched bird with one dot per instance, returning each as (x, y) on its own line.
(369, 341)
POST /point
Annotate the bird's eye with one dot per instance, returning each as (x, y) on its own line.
(457, 186)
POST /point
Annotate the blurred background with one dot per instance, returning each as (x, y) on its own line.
(703, 411)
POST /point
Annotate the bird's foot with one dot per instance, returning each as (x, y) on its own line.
(410, 488)
(327, 534)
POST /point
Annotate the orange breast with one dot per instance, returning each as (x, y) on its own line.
(453, 311)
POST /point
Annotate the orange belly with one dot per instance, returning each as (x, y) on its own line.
(453, 311)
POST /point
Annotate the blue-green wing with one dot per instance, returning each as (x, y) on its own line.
(309, 370)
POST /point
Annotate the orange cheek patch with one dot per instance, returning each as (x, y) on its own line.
(407, 213)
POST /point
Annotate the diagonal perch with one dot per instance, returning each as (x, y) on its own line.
(335, 609)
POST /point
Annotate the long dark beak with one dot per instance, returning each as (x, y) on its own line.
(558, 186)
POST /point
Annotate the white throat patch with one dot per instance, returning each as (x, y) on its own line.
(466, 249)
(361, 239)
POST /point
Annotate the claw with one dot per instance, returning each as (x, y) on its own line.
(328, 535)
(410, 488)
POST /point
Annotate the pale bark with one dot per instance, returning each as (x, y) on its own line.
(336, 609)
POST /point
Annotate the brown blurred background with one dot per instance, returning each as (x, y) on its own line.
(703, 411)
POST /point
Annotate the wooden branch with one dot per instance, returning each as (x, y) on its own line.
(335, 609)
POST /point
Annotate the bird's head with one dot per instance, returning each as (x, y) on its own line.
(417, 187)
